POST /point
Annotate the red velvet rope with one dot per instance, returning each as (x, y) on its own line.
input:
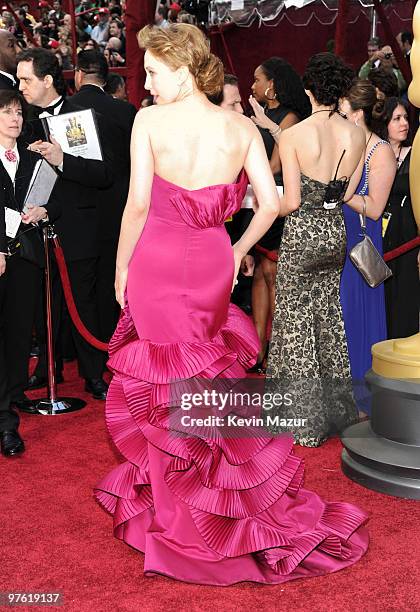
(65, 280)
(102, 346)
(273, 255)
(404, 248)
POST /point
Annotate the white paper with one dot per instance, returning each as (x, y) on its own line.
(42, 183)
(77, 134)
(248, 201)
(13, 221)
(237, 5)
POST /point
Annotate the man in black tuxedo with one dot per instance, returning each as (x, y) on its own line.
(90, 78)
(79, 193)
(7, 60)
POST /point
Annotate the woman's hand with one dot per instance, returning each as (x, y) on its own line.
(118, 58)
(34, 214)
(238, 256)
(247, 265)
(120, 286)
(2, 264)
(260, 117)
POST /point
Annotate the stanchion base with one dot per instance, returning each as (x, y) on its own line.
(380, 464)
(60, 405)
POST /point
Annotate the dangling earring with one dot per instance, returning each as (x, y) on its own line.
(266, 95)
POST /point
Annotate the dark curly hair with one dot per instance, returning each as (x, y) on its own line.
(287, 86)
(327, 78)
(389, 106)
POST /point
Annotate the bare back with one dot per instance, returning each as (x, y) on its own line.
(319, 145)
(314, 148)
(196, 144)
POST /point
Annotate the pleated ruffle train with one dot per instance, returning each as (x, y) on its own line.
(205, 509)
(212, 513)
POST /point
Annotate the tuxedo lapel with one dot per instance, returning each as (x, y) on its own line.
(6, 83)
(24, 172)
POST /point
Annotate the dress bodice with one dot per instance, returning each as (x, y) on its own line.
(313, 196)
(198, 208)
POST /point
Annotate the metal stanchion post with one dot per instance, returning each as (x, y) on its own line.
(53, 404)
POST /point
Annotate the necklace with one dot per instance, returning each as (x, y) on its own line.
(399, 156)
(324, 110)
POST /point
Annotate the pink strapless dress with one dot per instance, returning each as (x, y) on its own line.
(201, 511)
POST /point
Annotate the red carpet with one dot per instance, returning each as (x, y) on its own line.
(54, 536)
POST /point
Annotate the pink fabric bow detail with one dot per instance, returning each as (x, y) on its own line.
(10, 155)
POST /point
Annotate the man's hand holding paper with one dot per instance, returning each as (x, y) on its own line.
(51, 151)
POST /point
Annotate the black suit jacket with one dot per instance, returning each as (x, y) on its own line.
(32, 248)
(119, 118)
(79, 191)
(120, 112)
(6, 83)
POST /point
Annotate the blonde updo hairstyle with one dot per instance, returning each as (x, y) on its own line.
(183, 44)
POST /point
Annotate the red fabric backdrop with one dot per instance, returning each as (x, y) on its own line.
(138, 14)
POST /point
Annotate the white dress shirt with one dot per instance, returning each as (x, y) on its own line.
(56, 110)
(10, 166)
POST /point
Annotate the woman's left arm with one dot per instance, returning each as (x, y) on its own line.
(289, 120)
(290, 201)
(138, 201)
(381, 176)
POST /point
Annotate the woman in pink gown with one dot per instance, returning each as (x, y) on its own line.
(203, 509)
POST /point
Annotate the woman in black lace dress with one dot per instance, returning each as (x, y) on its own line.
(308, 351)
(278, 88)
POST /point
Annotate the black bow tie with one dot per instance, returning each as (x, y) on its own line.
(50, 109)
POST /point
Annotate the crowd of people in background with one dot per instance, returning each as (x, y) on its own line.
(99, 25)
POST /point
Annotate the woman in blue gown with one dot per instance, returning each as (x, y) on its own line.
(363, 306)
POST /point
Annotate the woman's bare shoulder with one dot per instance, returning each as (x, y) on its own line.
(240, 121)
(382, 152)
(155, 115)
(145, 116)
(296, 132)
